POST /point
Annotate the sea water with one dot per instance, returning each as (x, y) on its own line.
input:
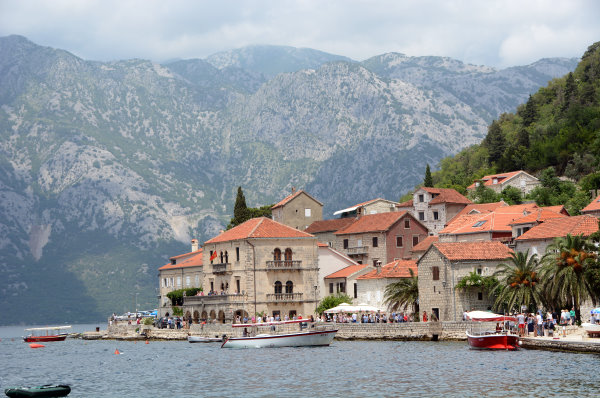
(344, 369)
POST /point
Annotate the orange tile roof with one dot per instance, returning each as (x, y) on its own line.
(498, 221)
(292, 196)
(424, 244)
(346, 272)
(329, 225)
(260, 227)
(379, 222)
(184, 254)
(558, 209)
(408, 203)
(538, 215)
(395, 269)
(319, 244)
(558, 227)
(194, 261)
(487, 250)
(502, 177)
(446, 195)
(593, 206)
(478, 208)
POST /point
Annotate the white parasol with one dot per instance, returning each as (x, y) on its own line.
(341, 309)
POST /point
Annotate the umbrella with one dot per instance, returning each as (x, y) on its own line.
(342, 308)
(596, 310)
(367, 308)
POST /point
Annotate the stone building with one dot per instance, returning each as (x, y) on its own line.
(442, 267)
(331, 261)
(260, 266)
(536, 217)
(593, 209)
(498, 182)
(182, 272)
(434, 207)
(371, 286)
(373, 206)
(325, 230)
(344, 280)
(539, 237)
(297, 210)
(380, 238)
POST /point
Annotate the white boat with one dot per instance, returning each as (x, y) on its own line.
(314, 337)
(200, 339)
(501, 339)
(591, 329)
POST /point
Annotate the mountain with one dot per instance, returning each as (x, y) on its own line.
(107, 169)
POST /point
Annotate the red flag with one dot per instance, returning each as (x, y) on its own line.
(213, 255)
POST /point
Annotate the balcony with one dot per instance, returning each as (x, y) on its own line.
(214, 299)
(358, 250)
(284, 265)
(221, 268)
(284, 297)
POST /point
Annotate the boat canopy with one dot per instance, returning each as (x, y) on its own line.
(51, 328)
(484, 316)
(249, 325)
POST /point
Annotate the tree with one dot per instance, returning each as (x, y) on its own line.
(240, 210)
(401, 294)
(484, 194)
(333, 300)
(529, 113)
(511, 195)
(564, 269)
(428, 182)
(495, 142)
(518, 283)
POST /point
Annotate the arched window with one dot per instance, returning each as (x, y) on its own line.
(289, 287)
(288, 257)
(221, 257)
(277, 255)
(226, 257)
(278, 287)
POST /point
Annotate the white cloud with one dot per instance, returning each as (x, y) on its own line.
(499, 33)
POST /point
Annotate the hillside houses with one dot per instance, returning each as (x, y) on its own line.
(498, 182)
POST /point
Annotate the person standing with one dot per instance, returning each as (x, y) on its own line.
(521, 321)
(425, 316)
(540, 324)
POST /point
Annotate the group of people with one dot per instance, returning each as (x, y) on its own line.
(541, 324)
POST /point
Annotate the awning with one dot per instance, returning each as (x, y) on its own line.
(484, 316)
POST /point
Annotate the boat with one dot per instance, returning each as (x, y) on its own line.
(45, 334)
(499, 339)
(200, 339)
(592, 329)
(314, 337)
(48, 390)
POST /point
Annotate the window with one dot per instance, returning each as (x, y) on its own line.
(399, 242)
(525, 229)
(163, 280)
(187, 280)
(479, 295)
(407, 223)
(178, 281)
(345, 243)
(237, 286)
(479, 224)
(415, 240)
(278, 287)
(359, 243)
(421, 198)
(479, 271)
(375, 241)
(212, 286)
(276, 255)
(307, 212)
(288, 256)
(355, 290)
(172, 281)
(331, 288)
(237, 254)
(494, 181)
(435, 271)
(421, 216)
(226, 257)
(289, 287)
(342, 287)
(436, 215)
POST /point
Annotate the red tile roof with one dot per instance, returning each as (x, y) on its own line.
(537, 216)
(558, 209)
(593, 206)
(408, 203)
(458, 251)
(395, 269)
(424, 244)
(446, 195)
(478, 208)
(502, 177)
(329, 225)
(373, 223)
(193, 261)
(346, 272)
(292, 196)
(558, 227)
(498, 221)
(261, 227)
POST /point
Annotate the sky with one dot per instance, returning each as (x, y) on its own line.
(498, 33)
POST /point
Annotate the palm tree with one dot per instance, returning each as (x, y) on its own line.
(518, 282)
(401, 294)
(564, 270)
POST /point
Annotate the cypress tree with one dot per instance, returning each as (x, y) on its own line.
(495, 142)
(529, 113)
(428, 182)
(240, 210)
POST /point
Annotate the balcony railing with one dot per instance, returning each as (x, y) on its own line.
(284, 264)
(284, 297)
(357, 250)
(221, 268)
(230, 298)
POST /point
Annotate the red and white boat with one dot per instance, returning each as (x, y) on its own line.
(499, 339)
(49, 333)
(313, 337)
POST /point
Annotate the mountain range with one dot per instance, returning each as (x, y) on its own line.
(109, 168)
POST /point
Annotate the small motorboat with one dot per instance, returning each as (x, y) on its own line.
(200, 339)
(49, 333)
(592, 329)
(47, 390)
(502, 339)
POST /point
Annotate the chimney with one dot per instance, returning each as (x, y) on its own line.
(378, 267)
(293, 190)
(194, 245)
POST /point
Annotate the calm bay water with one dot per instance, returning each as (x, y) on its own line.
(345, 369)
